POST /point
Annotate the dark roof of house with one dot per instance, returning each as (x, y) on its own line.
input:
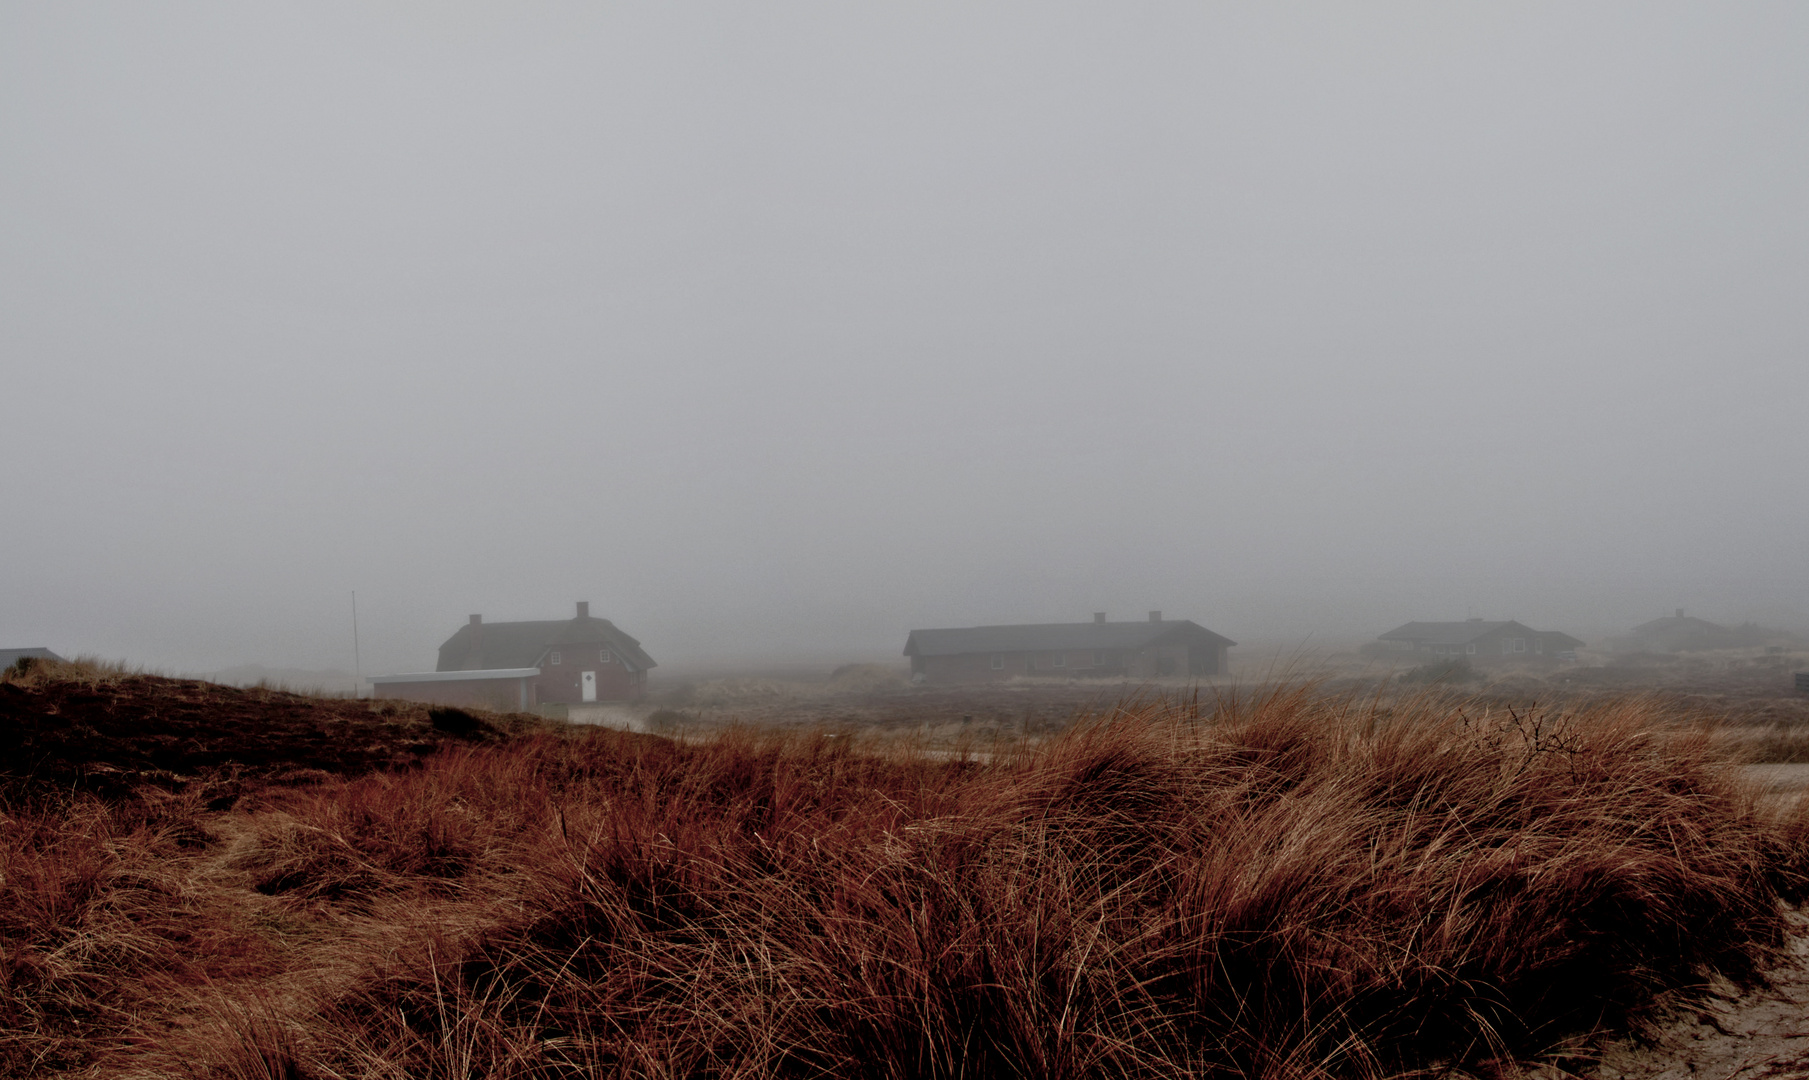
(1469, 630)
(1677, 624)
(9, 657)
(1447, 633)
(1681, 633)
(1053, 637)
(523, 644)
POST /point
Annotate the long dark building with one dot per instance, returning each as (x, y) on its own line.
(1482, 639)
(1153, 648)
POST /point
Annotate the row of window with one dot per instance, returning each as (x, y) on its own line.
(1508, 645)
(602, 658)
(1053, 660)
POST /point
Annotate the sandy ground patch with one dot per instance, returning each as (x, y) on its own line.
(1786, 781)
(621, 717)
(1761, 1034)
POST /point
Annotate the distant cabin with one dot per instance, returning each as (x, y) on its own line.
(1480, 639)
(1152, 648)
(9, 657)
(1686, 633)
(522, 665)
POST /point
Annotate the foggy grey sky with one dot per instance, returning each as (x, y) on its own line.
(781, 329)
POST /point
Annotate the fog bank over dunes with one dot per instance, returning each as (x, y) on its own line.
(778, 332)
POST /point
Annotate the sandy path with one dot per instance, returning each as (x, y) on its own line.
(1751, 1036)
(1761, 1034)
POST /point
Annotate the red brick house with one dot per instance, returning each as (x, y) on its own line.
(521, 665)
(1138, 650)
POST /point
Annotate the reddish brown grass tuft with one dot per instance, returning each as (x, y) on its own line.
(1284, 885)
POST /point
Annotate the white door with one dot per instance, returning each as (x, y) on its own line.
(590, 685)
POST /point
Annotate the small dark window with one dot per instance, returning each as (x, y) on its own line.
(998, 661)
(555, 659)
(603, 657)
(1098, 659)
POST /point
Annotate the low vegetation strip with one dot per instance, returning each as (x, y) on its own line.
(1288, 885)
(85, 726)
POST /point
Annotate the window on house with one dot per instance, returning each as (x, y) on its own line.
(1471, 649)
(554, 659)
(1539, 646)
(1519, 644)
(1059, 661)
(998, 661)
(1098, 658)
(603, 657)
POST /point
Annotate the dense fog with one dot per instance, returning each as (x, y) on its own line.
(775, 331)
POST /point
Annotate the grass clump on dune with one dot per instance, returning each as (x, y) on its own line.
(1294, 887)
(1289, 885)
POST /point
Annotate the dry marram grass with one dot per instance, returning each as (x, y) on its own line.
(1287, 885)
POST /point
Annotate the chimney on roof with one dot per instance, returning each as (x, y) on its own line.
(1099, 616)
(1680, 613)
(584, 609)
(477, 620)
(1155, 616)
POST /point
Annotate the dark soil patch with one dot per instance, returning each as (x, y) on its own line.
(113, 736)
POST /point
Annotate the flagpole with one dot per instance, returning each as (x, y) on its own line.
(357, 660)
